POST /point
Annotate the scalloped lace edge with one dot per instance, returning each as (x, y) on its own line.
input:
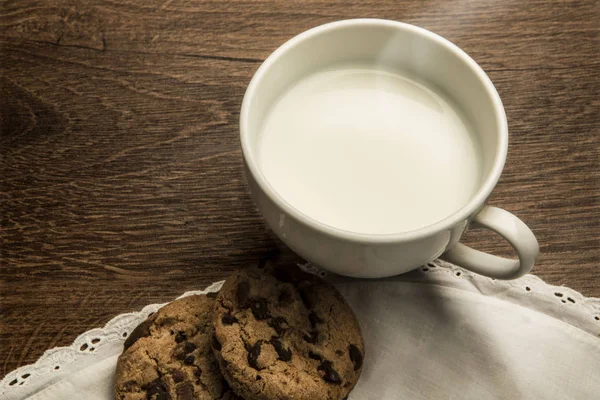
(528, 283)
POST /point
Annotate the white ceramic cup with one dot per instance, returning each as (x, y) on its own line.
(433, 59)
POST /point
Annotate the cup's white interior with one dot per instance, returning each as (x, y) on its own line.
(392, 45)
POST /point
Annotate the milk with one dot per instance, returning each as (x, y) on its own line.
(369, 150)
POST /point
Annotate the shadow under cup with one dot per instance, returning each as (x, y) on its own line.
(393, 46)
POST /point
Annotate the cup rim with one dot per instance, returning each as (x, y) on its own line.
(474, 204)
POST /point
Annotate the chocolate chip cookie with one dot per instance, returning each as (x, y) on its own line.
(281, 333)
(169, 356)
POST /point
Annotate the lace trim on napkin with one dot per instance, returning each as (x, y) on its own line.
(529, 291)
(531, 288)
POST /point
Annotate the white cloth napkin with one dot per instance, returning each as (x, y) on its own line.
(437, 333)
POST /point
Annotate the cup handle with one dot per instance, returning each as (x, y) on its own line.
(513, 230)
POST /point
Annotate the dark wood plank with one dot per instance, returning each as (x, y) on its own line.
(121, 176)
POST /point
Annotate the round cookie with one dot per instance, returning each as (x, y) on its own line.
(169, 356)
(281, 333)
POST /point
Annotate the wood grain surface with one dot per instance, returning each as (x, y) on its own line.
(121, 173)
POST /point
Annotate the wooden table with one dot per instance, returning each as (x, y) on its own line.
(121, 172)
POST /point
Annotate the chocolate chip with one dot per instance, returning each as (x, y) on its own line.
(189, 360)
(197, 372)
(166, 321)
(285, 297)
(242, 293)
(185, 392)
(279, 324)
(314, 319)
(142, 330)
(259, 308)
(212, 295)
(228, 319)
(306, 298)
(184, 349)
(180, 337)
(253, 354)
(216, 344)
(312, 337)
(329, 374)
(188, 347)
(178, 376)
(282, 353)
(161, 396)
(315, 356)
(355, 356)
(156, 390)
